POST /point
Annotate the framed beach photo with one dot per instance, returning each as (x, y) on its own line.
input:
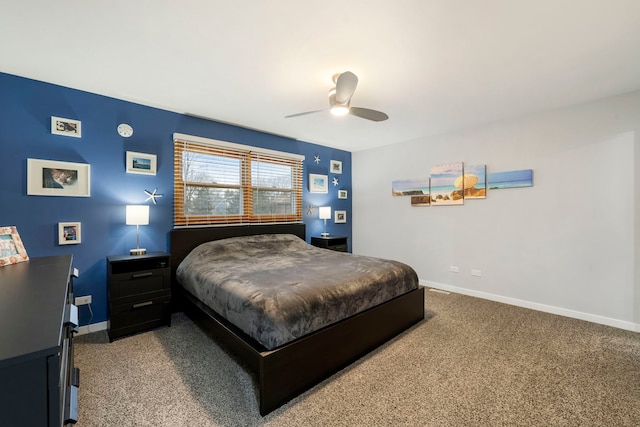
(340, 217)
(11, 247)
(66, 127)
(335, 166)
(141, 163)
(54, 178)
(318, 183)
(69, 233)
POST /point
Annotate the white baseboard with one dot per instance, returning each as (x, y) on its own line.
(621, 324)
(94, 327)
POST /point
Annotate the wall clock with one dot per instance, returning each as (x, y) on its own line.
(125, 130)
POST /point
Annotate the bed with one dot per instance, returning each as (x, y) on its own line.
(286, 366)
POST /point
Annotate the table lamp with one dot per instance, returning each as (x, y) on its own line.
(324, 212)
(137, 215)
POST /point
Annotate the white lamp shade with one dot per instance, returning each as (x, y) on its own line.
(324, 212)
(137, 215)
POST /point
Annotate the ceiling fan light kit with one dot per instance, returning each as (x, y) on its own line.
(340, 100)
(337, 108)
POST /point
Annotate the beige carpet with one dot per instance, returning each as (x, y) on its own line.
(472, 362)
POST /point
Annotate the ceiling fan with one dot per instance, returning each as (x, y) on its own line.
(340, 100)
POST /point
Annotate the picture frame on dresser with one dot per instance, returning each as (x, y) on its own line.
(12, 249)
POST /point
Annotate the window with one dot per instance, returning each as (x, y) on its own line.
(219, 182)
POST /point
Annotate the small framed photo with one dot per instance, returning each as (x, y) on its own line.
(11, 247)
(342, 194)
(318, 183)
(69, 233)
(340, 217)
(66, 127)
(53, 178)
(141, 163)
(335, 166)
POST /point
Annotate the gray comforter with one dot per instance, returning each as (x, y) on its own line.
(277, 288)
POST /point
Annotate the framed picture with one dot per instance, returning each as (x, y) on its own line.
(53, 178)
(11, 248)
(141, 163)
(318, 183)
(342, 194)
(66, 127)
(335, 166)
(340, 217)
(69, 233)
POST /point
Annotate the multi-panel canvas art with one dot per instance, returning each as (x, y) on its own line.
(452, 183)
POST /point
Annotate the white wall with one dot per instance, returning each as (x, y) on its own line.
(568, 245)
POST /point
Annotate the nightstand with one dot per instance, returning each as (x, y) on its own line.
(139, 293)
(335, 243)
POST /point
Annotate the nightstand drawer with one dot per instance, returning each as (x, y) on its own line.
(143, 306)
(134, 317)
(132, 285)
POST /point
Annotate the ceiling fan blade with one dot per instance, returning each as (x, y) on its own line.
(365, 113)
(345, 86)
(305, 113)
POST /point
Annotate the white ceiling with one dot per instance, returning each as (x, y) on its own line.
(431, 65)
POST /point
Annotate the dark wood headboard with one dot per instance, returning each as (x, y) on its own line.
(184, 240)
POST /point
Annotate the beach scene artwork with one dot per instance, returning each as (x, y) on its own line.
(417, 201)
(410, 187)
(510, 179)
(443, 184)
(474, 182)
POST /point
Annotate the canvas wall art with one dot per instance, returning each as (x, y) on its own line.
(474, 182)
(410, 187)
(510, 179)
(443, 189)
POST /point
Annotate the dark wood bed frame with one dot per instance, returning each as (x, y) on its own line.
(293, 368)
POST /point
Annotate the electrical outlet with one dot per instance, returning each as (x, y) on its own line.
(83, 300)
(454, 269)
(477, 273)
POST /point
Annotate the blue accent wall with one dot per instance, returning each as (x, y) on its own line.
(26, 107)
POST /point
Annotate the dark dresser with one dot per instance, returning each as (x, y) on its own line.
(139, 293)
(38, 380)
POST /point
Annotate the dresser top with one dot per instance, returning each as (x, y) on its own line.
(33, 295)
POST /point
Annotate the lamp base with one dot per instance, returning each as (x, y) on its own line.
(137, 251)
(324, 234)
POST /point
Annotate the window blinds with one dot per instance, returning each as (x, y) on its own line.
(217, 182)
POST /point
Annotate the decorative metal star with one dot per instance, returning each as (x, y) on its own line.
(316, 158)
(310, 210)
(152, 195)
(335, 181)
